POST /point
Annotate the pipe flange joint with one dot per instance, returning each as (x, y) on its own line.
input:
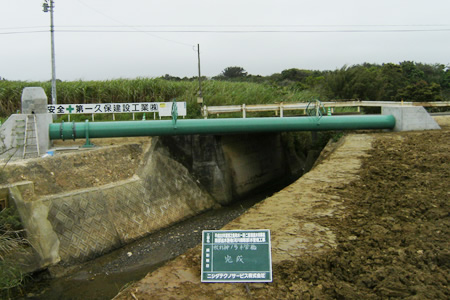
(61, 135)
(74, 131)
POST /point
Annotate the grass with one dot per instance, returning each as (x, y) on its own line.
(153, 90)
(11, 277)
(11, 242)
(215, 93)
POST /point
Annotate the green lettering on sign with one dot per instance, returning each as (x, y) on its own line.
(236, 256)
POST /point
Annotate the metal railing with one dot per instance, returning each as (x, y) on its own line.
(280, 108)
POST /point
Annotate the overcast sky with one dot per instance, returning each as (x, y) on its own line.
(262, 36)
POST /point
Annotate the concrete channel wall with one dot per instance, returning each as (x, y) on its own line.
(169, 185)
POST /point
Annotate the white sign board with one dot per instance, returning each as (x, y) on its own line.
(163, 108)
(236, 256)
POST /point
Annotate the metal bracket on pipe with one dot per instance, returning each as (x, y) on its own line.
(174, 113)
(88, 143)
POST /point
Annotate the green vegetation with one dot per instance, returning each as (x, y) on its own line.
(408, 81)
(149, 90)
(11, 241)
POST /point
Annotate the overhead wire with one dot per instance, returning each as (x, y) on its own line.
(231, 31)
(260, 28)
(241, 26)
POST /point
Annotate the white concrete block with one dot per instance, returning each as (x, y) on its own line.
(409, 118)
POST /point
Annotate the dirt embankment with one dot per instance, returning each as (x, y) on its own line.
(395, 239)
(385, 234)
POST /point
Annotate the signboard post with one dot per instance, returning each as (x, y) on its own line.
(236, 256)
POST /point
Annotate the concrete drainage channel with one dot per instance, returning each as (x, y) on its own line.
(105, 276)
(78, 206)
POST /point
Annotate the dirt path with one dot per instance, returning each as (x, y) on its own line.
(371, 221)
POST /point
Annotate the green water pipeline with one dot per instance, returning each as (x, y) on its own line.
(216, 126)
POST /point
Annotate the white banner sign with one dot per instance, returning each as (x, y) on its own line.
(163, 108)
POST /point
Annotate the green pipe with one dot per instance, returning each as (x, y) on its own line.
(216, 126)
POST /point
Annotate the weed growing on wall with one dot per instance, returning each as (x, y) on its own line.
(11, 242)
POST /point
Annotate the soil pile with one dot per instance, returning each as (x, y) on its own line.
(395, 240)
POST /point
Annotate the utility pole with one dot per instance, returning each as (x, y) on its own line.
(200, 95)
(46, 8)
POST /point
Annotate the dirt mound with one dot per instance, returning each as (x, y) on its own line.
(395, 240)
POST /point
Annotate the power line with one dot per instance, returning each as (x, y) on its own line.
(265, 26)
(219, 26)
(22, 32)
(236, 31)
(28, 27)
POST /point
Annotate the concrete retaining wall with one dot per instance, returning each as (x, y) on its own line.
(178, 178)
(76, 226)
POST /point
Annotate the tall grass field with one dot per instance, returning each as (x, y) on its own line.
(152, 90)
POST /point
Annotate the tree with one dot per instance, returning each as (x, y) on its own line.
(233, 73)
(355, 82)
(412, 72)
(171, 78)
(432, 73)
(421, 92)
(445, 79)
(295, 74)
(392, 80)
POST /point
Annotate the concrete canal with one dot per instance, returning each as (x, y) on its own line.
(80, 205)
(106, 276)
